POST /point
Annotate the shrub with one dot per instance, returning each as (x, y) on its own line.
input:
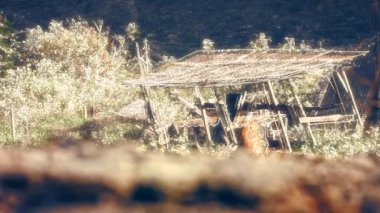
(6, 48)
(68, 66)
(336, 143)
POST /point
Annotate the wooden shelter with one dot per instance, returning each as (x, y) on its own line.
(218, 69)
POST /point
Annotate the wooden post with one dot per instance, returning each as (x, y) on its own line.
(162, 130)
(282, 125)
(85, 113)
(204, 114)
(336, 89)
(151, 114)
(13, 126)
(225, 117)
(352, 98)
(240, 105)
(148, 62)
(302, 111)
(150, 110)
(268, 100)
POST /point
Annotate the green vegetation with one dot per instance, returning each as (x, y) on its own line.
(6, 44)
(65, 68)
(335, 143)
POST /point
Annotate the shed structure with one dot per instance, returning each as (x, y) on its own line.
(218, 69)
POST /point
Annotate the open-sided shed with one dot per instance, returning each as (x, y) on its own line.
(236, 67)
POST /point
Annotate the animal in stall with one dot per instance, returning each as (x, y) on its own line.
(252, 137)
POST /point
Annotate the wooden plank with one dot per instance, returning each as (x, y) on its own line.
(282, 125)
(303, 113)
(327, 119)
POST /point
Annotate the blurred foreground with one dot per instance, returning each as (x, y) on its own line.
(79, 178)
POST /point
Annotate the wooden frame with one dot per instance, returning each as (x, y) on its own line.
(217, 84)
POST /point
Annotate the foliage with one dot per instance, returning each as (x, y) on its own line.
(289, 44)
(307, 88)
(118, 132)
(305, 85)
(6, 44)
(336, 143)
(208, 44)
(67, 66)
(133, 31)
(262, 42)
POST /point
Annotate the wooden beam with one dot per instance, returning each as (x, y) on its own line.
(187, 103)
(204, 115)
(342, 81)
(336, 89)
(240, 105)
(338, 118)
(352, 98)
(275, 108)
(224, 116)
(302, 111)
(282, 125)
(150, 110)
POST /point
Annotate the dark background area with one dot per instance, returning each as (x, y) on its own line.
(178, 26)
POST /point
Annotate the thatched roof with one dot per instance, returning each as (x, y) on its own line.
(208, 68)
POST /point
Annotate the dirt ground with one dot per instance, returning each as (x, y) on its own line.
(85, 178)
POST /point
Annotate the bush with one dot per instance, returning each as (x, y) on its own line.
(68, 66)
(336, 143)
(6, 44)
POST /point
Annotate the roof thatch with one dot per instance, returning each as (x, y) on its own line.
(208, 68)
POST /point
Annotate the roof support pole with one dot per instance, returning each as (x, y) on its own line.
(204, 114)
(149, 107)
(151, 114)
(352, 98)
(302, 111)
(270, 103)
(334, 84)
(225, 117)
(282, 125)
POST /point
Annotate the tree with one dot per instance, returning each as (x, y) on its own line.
(6, 41)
